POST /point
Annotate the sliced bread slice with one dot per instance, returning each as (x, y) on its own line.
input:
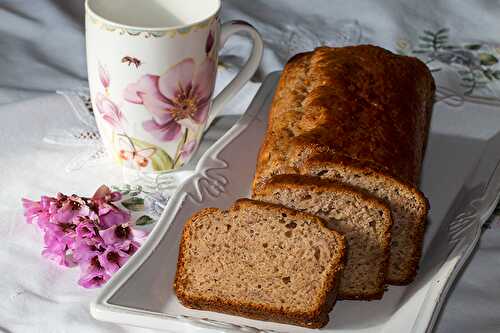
(261, 261)
(408, 205)
(365, 222)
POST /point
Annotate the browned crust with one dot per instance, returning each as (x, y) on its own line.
(412, 266)
(252, 312)
(330, 161)
(362, 101)
(314, 319)
(293, 65)
(298, 181)
(319, 184)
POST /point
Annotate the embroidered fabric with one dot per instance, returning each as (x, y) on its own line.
(301, 38)
(468, 69)
(86, 137)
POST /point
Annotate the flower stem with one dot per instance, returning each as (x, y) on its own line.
(179, 148)
(129, 140)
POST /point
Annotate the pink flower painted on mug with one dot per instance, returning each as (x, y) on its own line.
(188, 149)
(210, 42)
(109, 111)
(178, 98)
(103, 76)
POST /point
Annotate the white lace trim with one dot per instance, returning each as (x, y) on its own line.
(87, 137)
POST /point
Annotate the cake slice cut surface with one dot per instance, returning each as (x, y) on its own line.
(364, 221)
(261, 261)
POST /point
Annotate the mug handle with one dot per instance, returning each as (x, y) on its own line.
(248, 70)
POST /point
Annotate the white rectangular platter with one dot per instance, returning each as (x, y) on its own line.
(460, 178)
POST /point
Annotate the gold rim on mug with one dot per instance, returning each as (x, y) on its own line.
(147, 32)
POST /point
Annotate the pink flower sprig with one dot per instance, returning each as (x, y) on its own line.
(92, 233)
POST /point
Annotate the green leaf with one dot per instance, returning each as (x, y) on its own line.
(420, 51)
(488, 74)
(134, 204)
(160, 160)
(124, 189)
(115, 188)
(429, 33)
(425, 46)
(473, 46)
(496, 75)
(449, 47)
(487, 59)
(426, 39)
(143, 220)
(435, 70)
(468, 79)
(442, 31)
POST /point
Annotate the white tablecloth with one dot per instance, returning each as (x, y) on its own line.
(42, 50)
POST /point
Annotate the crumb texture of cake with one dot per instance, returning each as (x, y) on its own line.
(364, 221)
(261, 261)
(408, 206)
(358, 115)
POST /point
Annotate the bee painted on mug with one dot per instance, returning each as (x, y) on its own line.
(131, 60)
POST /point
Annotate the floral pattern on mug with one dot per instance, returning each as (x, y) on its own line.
(188, 148)
(210, 42)
(128, 150)
(178, 98)
(139, 154)
(103, 76)
(109, 111)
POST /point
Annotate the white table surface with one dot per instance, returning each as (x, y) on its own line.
(42, 50)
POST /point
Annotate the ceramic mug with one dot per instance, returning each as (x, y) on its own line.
(152, 67)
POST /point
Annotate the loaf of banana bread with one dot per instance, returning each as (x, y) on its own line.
(358, 115)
